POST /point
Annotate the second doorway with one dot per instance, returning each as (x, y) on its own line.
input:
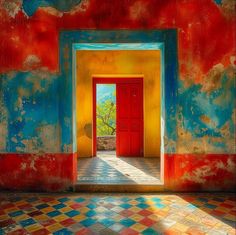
(118, 115)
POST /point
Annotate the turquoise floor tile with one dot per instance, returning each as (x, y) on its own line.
(107, 222)
(127, 222)
(88, 222)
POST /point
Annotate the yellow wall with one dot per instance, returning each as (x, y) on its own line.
(147, 63)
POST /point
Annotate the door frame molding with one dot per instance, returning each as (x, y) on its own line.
(109, 79)
(165, 40)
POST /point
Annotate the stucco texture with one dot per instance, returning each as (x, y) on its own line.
(36, 120)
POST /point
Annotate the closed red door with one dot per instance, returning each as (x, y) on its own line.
(129, 134)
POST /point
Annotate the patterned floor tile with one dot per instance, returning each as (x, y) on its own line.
(109, 169)
(40, 214)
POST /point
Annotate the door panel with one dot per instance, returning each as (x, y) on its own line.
(124, 144)
(135, 125)
(135, 99)
(135, 144)
(129, 135)
(124, 98)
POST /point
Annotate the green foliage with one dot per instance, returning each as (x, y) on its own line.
(106, 118)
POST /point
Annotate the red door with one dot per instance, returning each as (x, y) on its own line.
(129, 120)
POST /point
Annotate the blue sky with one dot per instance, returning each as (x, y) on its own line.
(105, 92)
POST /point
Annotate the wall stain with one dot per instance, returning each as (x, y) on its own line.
(88, 130)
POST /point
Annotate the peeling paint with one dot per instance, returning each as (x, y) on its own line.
(28, 145)
(138, 10)
(205, 119)
(32, 165)
(206, 113)
(3, 124)
(12, 7)
(188, 144)
(169, 145)
(36, 172)
(23, 166)
(3, 134)
(82, 7)
(230, 166)
(229, 136)
(35, 111)
(67, 148)
(14, 139)
(212, 80)
(199, 175)
(28, 96)
(228, 7)
(31, 62)
(49, 135)
(206, 172)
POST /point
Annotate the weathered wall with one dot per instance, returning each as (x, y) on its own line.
(114, 63)
(34, 133)
(106, 142)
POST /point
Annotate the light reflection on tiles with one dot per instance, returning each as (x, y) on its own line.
(117, 214)
(106, 168)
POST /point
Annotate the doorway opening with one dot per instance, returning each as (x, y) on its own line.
(118, 116)
(137, 78)
(158, 66)
(106, 119)
(119, 101)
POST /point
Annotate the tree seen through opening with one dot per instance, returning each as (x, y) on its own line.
(106, 110)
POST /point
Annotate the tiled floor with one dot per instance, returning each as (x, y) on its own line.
(109, 214)
(106, 168)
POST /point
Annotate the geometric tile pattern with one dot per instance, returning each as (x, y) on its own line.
(117, 214)
(106, 168)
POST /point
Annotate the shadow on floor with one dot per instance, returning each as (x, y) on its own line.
(106, 168)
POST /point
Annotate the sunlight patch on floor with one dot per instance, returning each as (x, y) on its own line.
(106, 168)
(130, 171)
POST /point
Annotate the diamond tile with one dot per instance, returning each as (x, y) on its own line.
(127, 222)
(117, 214)
(25, 223)
(88, 222)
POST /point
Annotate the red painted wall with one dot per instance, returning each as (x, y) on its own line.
(35, 172)
(206, 30)
(206, 41)
(200, 172)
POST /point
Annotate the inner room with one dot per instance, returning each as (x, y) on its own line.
(130, 151)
